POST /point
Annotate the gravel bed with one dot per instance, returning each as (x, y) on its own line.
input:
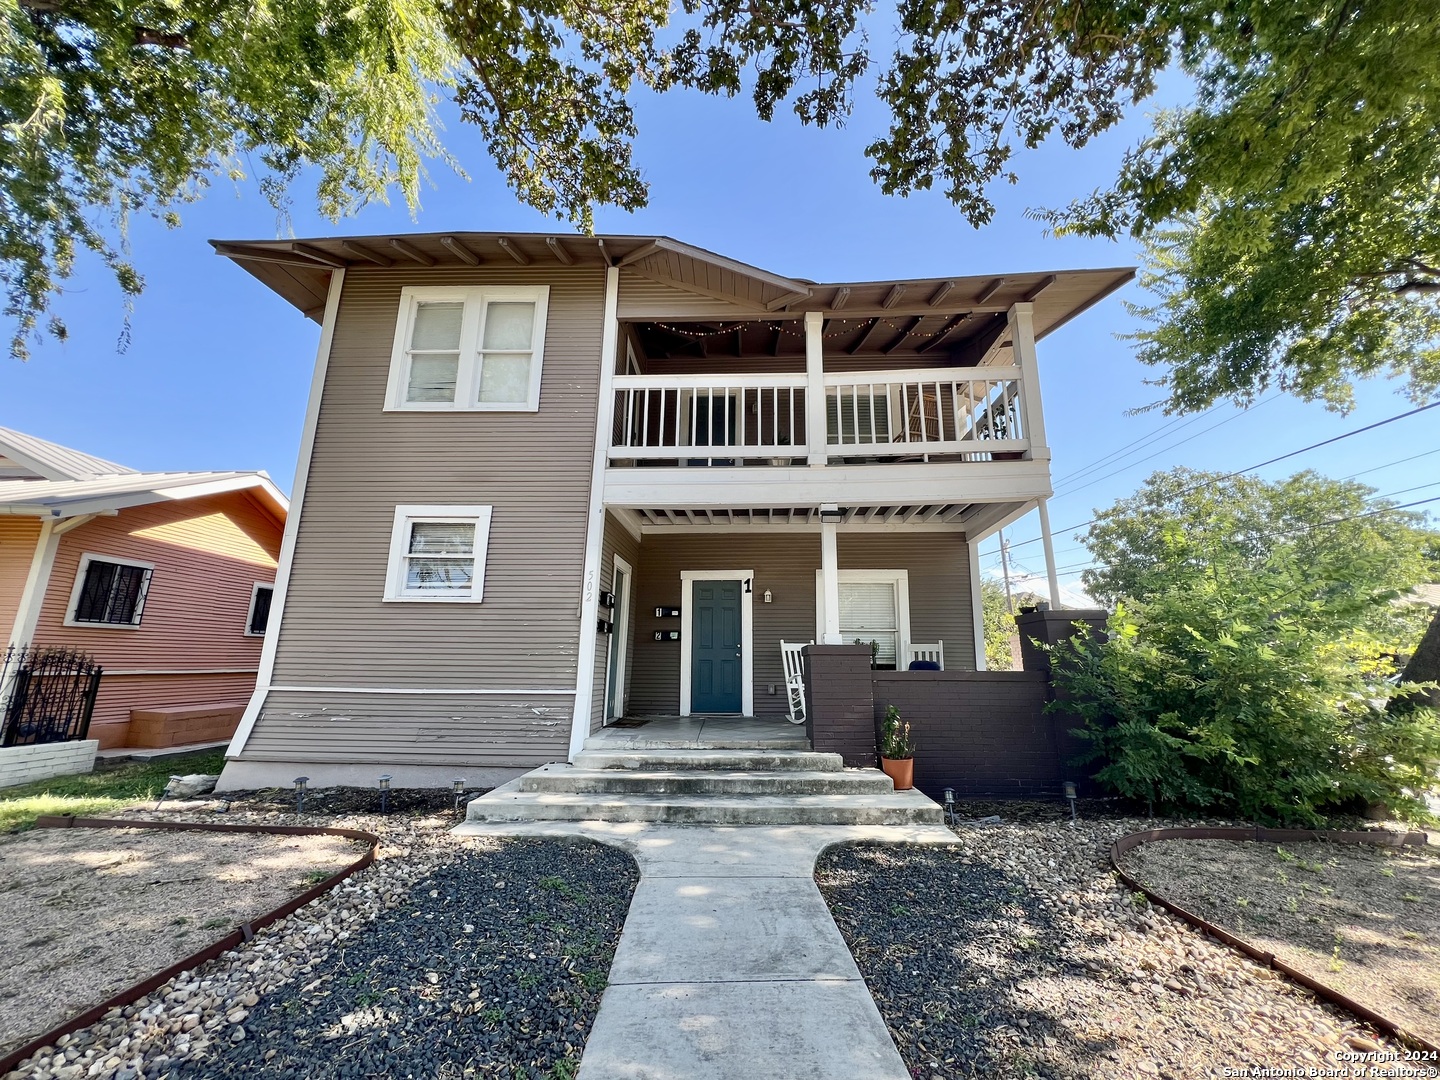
(322, 992)
(1018, 953)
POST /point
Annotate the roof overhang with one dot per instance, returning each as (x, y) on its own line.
(57, 503)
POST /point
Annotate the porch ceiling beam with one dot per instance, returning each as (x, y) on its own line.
(895, 512)
(270, 255)
(508, 246)
(841, 297)
(893, 297)
(786, 299)
(1045, 283)
(411, 252)
(937, 512)
(910, 328)
(316, 255)
(944, 332)
(915, 513)
(942, 291)
(865, 337)
(558, 250)
(360, 251)
(990, 290)
(641, 253)
(982, 348)
(460, 251)
(958, 512)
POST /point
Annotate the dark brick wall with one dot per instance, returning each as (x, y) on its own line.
(979, 732)
(840, 718)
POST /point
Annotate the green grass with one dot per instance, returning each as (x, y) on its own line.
(97, 792)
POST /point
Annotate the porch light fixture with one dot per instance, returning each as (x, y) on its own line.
(458, 787)
(768, 596)
(832, 515)
(1071, 795)
(300, 782)
(385, 793)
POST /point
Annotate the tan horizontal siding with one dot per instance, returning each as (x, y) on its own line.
(17, 550)
(208, 554)
(785, 563)
(617, 541)
(420, 729)
(532, 468)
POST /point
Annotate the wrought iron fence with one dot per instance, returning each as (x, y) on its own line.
(47, 694)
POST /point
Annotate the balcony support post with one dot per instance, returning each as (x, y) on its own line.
(830, 578)
(816, 435)
(1049, 543)
(1022, 345)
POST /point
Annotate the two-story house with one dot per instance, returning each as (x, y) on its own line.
(547, 482)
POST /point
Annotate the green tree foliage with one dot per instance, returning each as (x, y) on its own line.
(1291, 210)
(1249, 663)
(999, 625)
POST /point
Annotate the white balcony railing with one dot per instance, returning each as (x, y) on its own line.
(761, 419)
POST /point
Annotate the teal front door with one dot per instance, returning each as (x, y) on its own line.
(715, 660)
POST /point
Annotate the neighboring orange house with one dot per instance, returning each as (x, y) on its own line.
(164, 578)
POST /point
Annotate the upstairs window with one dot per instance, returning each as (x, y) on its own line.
(477, 349)
(109, 591)
(438, 553)
(259, 619)
(853, 419)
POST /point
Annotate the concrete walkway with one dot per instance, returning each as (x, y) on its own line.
(730, 965)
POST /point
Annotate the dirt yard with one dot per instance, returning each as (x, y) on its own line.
(86, 912)
(1365, 920)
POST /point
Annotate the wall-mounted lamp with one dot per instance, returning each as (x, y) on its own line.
(832, 515)
(300, 782)
(768, 596)
(385, 793)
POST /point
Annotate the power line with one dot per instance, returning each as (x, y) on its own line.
(1162, 450)
(1398, 461)
(1270, 461)
(1075, 474)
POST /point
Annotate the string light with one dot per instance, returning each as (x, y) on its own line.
(838, 327)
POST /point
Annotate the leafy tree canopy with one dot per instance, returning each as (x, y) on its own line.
(1185, 526)
(999, 626)
(1301, 185)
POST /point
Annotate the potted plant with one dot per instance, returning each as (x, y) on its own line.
(897, 752)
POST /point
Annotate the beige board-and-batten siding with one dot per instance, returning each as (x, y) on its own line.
(532, 468)
(937, 563)
(617, 541)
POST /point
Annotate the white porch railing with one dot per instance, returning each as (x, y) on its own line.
(761, 419)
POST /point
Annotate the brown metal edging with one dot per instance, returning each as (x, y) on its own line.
(232, 940)
(1377, 838)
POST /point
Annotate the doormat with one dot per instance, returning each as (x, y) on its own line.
(628, 722)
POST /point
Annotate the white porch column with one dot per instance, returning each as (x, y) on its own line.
(1049, 554)
(1022, 342)
(977, 603)
(815, 431)
(830, 578)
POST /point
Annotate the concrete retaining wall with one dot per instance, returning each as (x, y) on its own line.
(22, 764)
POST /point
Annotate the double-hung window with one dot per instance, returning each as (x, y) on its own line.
(437, 553)
(477, 349)
(874, 611)
(109, 591)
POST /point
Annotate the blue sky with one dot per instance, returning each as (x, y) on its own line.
(218, 369)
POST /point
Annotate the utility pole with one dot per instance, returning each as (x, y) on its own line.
(1005, 569)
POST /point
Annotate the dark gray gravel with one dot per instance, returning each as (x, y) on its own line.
(1016, 953)
(493, 968)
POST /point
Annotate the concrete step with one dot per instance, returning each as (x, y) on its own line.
(753, 760)
(567, 779)
(509, 803)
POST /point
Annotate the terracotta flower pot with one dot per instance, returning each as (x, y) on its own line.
(901, 771)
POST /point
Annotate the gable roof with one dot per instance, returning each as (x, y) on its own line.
(299, 271)
(72, 498)
(51, 461)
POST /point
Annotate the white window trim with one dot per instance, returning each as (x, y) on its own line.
(619, 638)
(75, 590)
(399, 537)
(467, 376)
(250, 614)
(899, 578)
(747, 633)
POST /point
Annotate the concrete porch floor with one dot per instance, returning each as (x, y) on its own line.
(703, 732)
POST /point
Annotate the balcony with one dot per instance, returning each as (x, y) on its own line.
(924, 434)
